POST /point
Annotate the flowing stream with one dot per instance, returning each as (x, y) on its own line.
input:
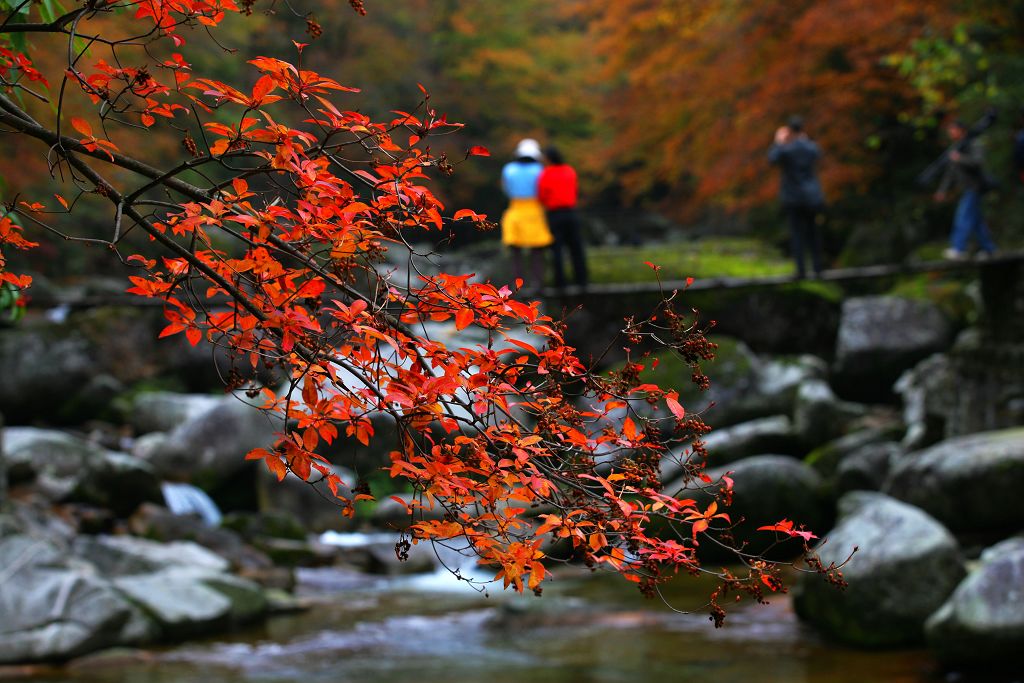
(587, 628)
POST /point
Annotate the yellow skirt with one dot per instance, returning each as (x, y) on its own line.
(523, 224)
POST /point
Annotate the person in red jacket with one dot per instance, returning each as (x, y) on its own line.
(556, 190)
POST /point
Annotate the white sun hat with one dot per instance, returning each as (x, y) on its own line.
(528, 147)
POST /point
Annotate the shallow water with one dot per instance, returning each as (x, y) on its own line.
(586, 629)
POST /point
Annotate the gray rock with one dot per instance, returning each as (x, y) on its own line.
(983, 621)
(49, 609)
(929, 397)
(757, 437)
(42, 366)
(128, 555)
(826, 459)
(162, 411)
(867, 468)
(210, 447)
(56, 455)
(766, 490)
(766, 435)
(744, 386)
(118, 482)
(882, 336)
(178, 601)
(905, 567)
(971, 483)
(160, 524)
(309, 501)
(819, 416)
(65, 467)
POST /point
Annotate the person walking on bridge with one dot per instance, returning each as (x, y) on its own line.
(557, 192)
(966, 172)
(800, 193)
(524, 228)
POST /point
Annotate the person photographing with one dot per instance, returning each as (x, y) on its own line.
(800, 193)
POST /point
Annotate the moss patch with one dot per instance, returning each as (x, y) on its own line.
(714, 257)
(949, 293)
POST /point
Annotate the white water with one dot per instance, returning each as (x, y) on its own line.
(186, 499)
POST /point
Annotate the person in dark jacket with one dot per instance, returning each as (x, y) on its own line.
(802, 199)
(1018, 148)
(557, 192)
(966, 172)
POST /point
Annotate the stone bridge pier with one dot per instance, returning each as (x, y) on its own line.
(987, 367)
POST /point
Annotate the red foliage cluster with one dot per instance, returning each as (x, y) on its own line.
(278, 256)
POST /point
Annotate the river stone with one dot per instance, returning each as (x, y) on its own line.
(162, 411)
(50, 610)
(178, 601)
(309, 501)
(882, 336)
(56, 455)
(970, 483)
(826, 459)
(766, 435)
(128, 555)
(209, 448)
(118, 482)
(983, 621)
(42, 365)
(160, 524)
(905, 567)
(818, 415)
(928, 392)
(757, 437)
(65, 467)
(768, 489)
(866, 468)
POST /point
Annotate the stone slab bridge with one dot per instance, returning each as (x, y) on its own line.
(782, 314)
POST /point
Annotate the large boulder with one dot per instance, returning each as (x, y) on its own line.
(157, 523)
(766, 435)
(882, 336)
(867, 468)
(162, 411)
(929, 396)
(767, 489)
(905, 567)
(826, 459)
(744, 386)
(128, 555)
(178, 601)
(66, 467)
(51, 610)
(311, 501)
(983, 621)
(209, 447)
(819, 416)
(60, 367)
(971, 483)
(757, 437)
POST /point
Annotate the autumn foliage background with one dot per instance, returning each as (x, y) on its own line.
(668, 106)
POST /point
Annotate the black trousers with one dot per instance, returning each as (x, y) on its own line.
(567, 231)
(804, 236)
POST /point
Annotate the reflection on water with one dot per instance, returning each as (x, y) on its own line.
(593, 629)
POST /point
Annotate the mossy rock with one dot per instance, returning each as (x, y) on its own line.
(265, 524)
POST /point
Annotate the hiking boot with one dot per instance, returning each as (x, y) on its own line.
(984, 255)
(951, 254)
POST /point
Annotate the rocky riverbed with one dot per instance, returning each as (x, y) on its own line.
(92, 557)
